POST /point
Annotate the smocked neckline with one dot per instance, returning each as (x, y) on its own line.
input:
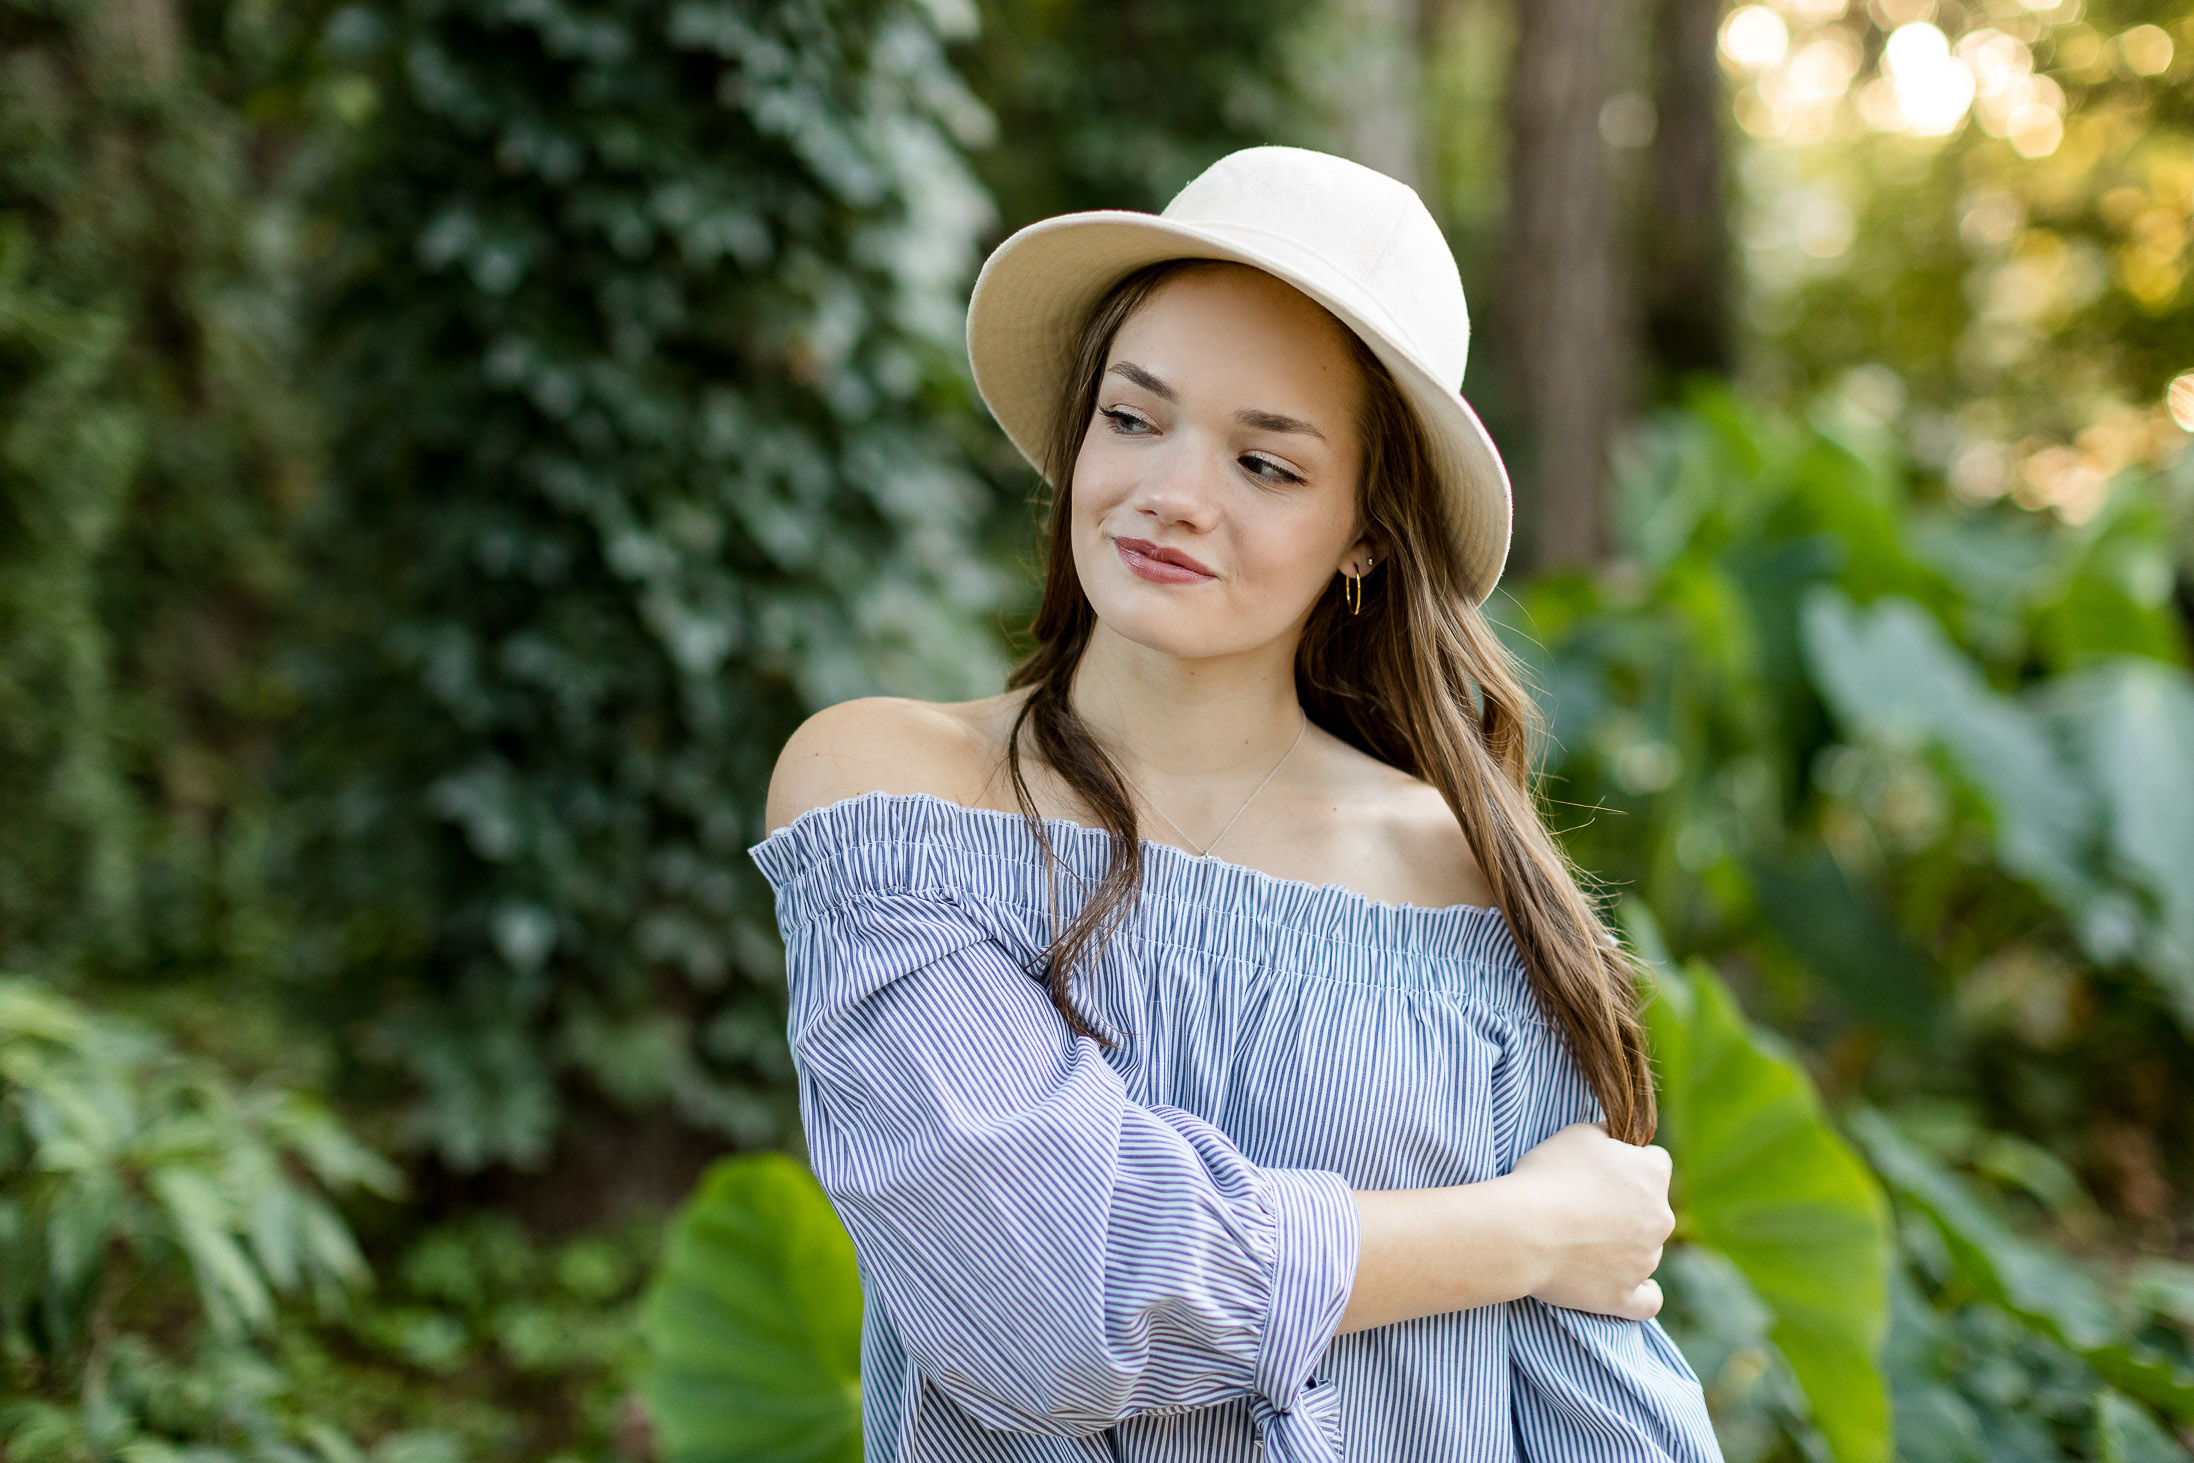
(1183, 872)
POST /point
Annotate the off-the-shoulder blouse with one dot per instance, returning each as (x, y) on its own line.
(1142, 1253)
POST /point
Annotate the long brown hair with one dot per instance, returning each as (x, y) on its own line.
(1418, 680)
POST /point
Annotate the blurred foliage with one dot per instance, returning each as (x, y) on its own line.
(1989, 217)
(1117, 105)
(155, 1221)
(483, 1341)
(2025, 1279)
(2002, 1345)
(153, 451)
(643, 324)
(175, 1280)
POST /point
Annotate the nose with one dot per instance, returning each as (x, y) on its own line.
(1180, 488)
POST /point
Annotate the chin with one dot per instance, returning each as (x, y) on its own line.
(1157, 634)
(1174, 622)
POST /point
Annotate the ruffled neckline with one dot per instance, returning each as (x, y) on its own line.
(920, 841)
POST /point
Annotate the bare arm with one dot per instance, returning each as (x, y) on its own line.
(1579, 1222)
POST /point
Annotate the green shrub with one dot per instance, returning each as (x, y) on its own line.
(154, 449)
(157, 1222)
(644, 354)
(484, 1341)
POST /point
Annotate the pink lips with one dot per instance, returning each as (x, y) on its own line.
(1160, 565)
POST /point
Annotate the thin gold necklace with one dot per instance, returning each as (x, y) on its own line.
(1205, 851)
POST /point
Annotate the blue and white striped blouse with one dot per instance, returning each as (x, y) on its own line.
(1141, 1254)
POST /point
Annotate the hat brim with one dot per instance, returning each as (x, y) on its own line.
(1037, 288)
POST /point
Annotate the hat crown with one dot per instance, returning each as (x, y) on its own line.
(1356, 241)
(1370, 228)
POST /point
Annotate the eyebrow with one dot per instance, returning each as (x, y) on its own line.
(1248, 416)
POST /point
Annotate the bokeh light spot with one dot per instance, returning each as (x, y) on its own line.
(1755, 37)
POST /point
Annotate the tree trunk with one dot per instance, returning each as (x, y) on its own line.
(1685, 248)
(1370, 80)
(1563, 317)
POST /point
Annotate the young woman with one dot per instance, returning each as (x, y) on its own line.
(1205, 1044)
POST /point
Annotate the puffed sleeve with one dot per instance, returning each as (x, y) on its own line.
(1592, 1388)
(1053, 1256)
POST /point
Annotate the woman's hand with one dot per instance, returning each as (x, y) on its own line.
(1579, 1222)
(1602, 1218)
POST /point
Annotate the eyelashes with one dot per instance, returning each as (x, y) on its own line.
(1284, 475)
(1123, 424)
(1121, 420)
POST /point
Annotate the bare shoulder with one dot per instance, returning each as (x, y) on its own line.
(1423, 826)
(1397, 831)
(888, 744)
(1413, 815)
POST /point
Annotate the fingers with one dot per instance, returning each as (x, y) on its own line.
(1641, 1303)
(1660, 1166)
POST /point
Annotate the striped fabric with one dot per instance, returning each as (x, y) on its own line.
(1141, 1254)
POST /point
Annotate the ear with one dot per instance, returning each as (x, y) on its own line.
(1359, 557)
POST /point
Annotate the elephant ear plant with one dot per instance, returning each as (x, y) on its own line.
(1776, 1216)
(753, 1323)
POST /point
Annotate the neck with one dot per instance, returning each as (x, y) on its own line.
(1174, 720)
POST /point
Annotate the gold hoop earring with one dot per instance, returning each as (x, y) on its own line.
(1352, 590)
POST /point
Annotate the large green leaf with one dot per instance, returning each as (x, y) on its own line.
(2122, 782)
(2126, 1434)
(2133, 727)
(1889, 670)
(753, 1324)
(1763, 1179)
(2041, 1286)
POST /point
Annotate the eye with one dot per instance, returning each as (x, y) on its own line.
(1122, 422)
(1278, 474)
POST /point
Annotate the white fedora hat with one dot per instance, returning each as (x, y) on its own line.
(1358, 242)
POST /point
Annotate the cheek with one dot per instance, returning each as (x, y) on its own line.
(1101, 479)
(1290, 554)
(1100, 485)
(1090, 498)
